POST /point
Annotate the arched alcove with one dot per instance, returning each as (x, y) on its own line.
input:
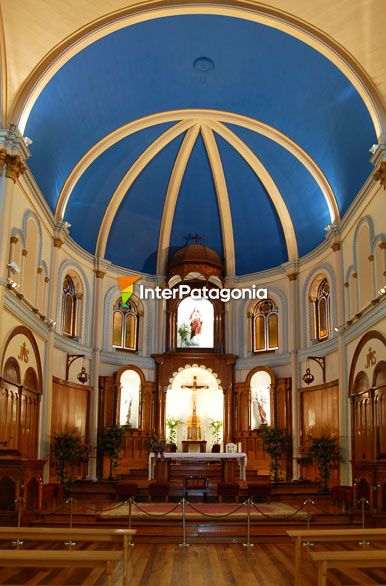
(195, 392)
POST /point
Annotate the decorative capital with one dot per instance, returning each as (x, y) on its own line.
(13, 151)
(291, 269)
(3, 156)
(371, 257)
(79, 296)
(382, 245)
(46, 279)
(346, 285)
(24, 252)
(58, 243)
(39, 270)
(355, 275)
(60, 233)
(14, 240)
(99, 274)
(336, 246)
(380, 174)
(14, 167)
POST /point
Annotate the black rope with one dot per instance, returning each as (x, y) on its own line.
(276, 517)
(216, 516)
(157, 514)
(103, 510)
(324, 511)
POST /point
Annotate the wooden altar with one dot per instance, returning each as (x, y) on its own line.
(228, 462)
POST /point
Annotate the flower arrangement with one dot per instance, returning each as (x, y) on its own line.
(215, 428)
(173, 423)
(156, 445)
(184, 333)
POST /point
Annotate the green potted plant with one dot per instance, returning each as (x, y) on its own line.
(68, 449)
(215, 428)
(275, 443)
(109, 443)
(172, 424)
(324, 451)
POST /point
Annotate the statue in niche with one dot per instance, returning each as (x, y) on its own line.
(259, 404)
(195, 321)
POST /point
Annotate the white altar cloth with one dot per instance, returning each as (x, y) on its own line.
(204, 457)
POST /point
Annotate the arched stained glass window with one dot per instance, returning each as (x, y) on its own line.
(68, 307)
(322, 311)
(265, 326)
(125, 325)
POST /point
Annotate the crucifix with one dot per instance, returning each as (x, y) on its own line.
(194, 423)
(196, 237)
(194, 387)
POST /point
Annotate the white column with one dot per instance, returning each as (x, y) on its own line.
(46, 406)
(95, 368)
(344, 404)
(293, 345)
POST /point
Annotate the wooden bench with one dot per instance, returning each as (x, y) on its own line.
(374, 558)
(122, 536)
(329, 535)
(28, 558)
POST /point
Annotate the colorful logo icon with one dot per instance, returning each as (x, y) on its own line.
(126, 285)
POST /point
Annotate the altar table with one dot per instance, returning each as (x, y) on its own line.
(225, 459)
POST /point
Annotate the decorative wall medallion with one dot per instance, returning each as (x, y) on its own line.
(371, 358)
(23, 354)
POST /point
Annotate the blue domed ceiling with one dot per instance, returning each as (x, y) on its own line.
(246, 135)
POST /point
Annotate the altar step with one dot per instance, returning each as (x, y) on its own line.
(222, 531)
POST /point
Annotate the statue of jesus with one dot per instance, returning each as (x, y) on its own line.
(195, 323)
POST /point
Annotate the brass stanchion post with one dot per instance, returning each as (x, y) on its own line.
(308, 502)
(248, 543)
(184, 544)
(70, 542)
(19, 501)
(363, 502)
(131, 500)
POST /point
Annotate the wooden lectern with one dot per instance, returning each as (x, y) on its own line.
(19, 477)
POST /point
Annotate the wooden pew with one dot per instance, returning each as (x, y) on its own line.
(122, 536)
(28, 558)
(329, 535)
(374, 558)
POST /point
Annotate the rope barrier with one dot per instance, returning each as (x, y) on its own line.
(157, 514)
(324, 511)
(103, 510)
(280, 517)
(216, 516)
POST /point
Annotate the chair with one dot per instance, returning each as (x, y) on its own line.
(125, 489)
(159, 489)
(228, 489)
(194, 484)
(259, 490)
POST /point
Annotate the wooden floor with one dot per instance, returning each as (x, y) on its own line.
(199, 565)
